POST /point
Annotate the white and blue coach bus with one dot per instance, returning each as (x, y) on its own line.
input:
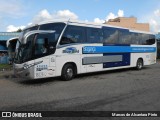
(67, 48)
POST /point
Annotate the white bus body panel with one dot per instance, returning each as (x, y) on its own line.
(52, 65)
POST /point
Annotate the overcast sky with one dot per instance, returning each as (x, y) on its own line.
(16, 14)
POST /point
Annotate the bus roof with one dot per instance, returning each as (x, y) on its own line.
(90, 24)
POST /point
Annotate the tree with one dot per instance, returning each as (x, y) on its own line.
(19, 30)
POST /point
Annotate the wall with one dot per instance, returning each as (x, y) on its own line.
(130, 23)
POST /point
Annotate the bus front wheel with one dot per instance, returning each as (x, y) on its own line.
(139, 64)
(67, 72)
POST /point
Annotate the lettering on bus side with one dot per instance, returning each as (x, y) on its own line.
(41, 67)
(71, 50)
(89, 49)
(143, 49)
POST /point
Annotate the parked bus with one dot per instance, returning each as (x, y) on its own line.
(67, 48)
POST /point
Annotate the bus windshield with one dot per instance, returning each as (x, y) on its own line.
(38, 45)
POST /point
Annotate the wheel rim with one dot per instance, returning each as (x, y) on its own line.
(139, 65)
(69, 72)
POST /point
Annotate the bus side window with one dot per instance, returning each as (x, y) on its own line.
(151, 40)
(124, 36)
(42, 44)
(94, 35)
(138, 38)
(40, 47)
(110, 36)
(73, 34)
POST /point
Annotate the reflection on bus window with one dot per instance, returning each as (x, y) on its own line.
(40, 47)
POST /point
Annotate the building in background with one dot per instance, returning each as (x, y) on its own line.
(129, 22)
(4, 36)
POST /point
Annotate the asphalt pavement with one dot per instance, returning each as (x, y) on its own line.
(116, 90)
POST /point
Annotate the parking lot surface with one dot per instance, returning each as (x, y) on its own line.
(116, 90)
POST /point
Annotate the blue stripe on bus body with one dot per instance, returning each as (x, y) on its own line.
(116, 49)
(125, 60)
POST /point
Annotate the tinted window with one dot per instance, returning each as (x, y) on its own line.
(151, 40)
(58, 27)
(25, 51)
(94, 35)
(40, 46)
(142, 39)
(44, 43)
(145, 38)
(133, 38)
(30, 29)
(110, 35)
(27, 30)
(73, 34)
(138, 38)
(124, 37)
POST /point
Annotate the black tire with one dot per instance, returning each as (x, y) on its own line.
(67, 72)
(139, 64)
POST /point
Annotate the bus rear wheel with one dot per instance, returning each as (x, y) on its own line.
(67, 72)
(139, 65)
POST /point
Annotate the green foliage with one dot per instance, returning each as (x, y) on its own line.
(19, 30)
(5, 66)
